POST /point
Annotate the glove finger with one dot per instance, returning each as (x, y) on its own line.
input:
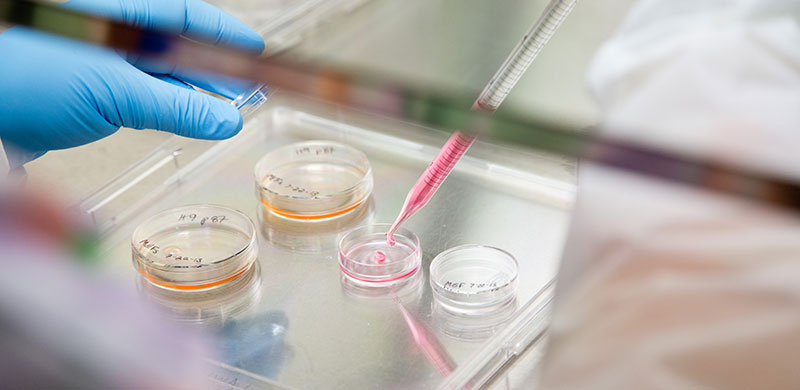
(205, 22)
(226, 86)
(195, 19)
(150, 103)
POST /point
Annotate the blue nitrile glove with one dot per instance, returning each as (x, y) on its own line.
(56, 93)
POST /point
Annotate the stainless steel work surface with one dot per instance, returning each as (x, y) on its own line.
(294, 322)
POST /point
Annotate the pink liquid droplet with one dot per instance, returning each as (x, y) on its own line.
(380, 257)
(390, 239)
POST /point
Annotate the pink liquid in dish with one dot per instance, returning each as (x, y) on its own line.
(380, 257)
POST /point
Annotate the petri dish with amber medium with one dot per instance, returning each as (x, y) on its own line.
(195, 247)
(313, 180)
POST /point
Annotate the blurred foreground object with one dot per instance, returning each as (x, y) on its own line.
(379, 95)
(665, 287)
(62, 327)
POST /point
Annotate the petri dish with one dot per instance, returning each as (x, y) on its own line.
(474, 279)
(366, 259)
(196, 247)
(314, 180)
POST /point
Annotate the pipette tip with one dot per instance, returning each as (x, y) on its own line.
(390, 238)
(478, 106)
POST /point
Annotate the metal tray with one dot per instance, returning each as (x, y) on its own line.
(295, 323)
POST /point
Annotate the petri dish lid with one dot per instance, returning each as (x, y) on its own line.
(368, 260)
(313, 180)
(474, 279)
(194, 247)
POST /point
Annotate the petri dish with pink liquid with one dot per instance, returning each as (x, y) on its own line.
(368, 260)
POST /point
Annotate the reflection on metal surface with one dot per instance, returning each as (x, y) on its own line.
(208, 307)
(466, 327)
(255, 343)
(428, 343)
(315, 237)
(526, 330)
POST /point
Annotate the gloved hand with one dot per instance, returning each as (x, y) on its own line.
(56, 93)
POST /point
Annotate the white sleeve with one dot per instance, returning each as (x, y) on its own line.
(667, 287)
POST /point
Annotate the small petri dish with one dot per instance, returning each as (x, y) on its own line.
(474, 279)
(194, 248)
(366, 259)
(314, 180)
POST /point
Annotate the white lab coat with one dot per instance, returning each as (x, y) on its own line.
(669, 287)
(4, 167)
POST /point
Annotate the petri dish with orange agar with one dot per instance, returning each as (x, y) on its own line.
(194, 248)
(313, 181)
(368, 260)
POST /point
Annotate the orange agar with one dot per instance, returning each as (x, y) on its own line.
(291, 215)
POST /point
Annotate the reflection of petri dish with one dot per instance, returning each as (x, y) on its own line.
(470, 327)
(405, 290)
(210, 306)
(366, 258)
(474, 279)
(321, 236)
(314, 180)
(194, 247)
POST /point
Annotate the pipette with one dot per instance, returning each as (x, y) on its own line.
(495, 92)
(523, 55)
(432, 178)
